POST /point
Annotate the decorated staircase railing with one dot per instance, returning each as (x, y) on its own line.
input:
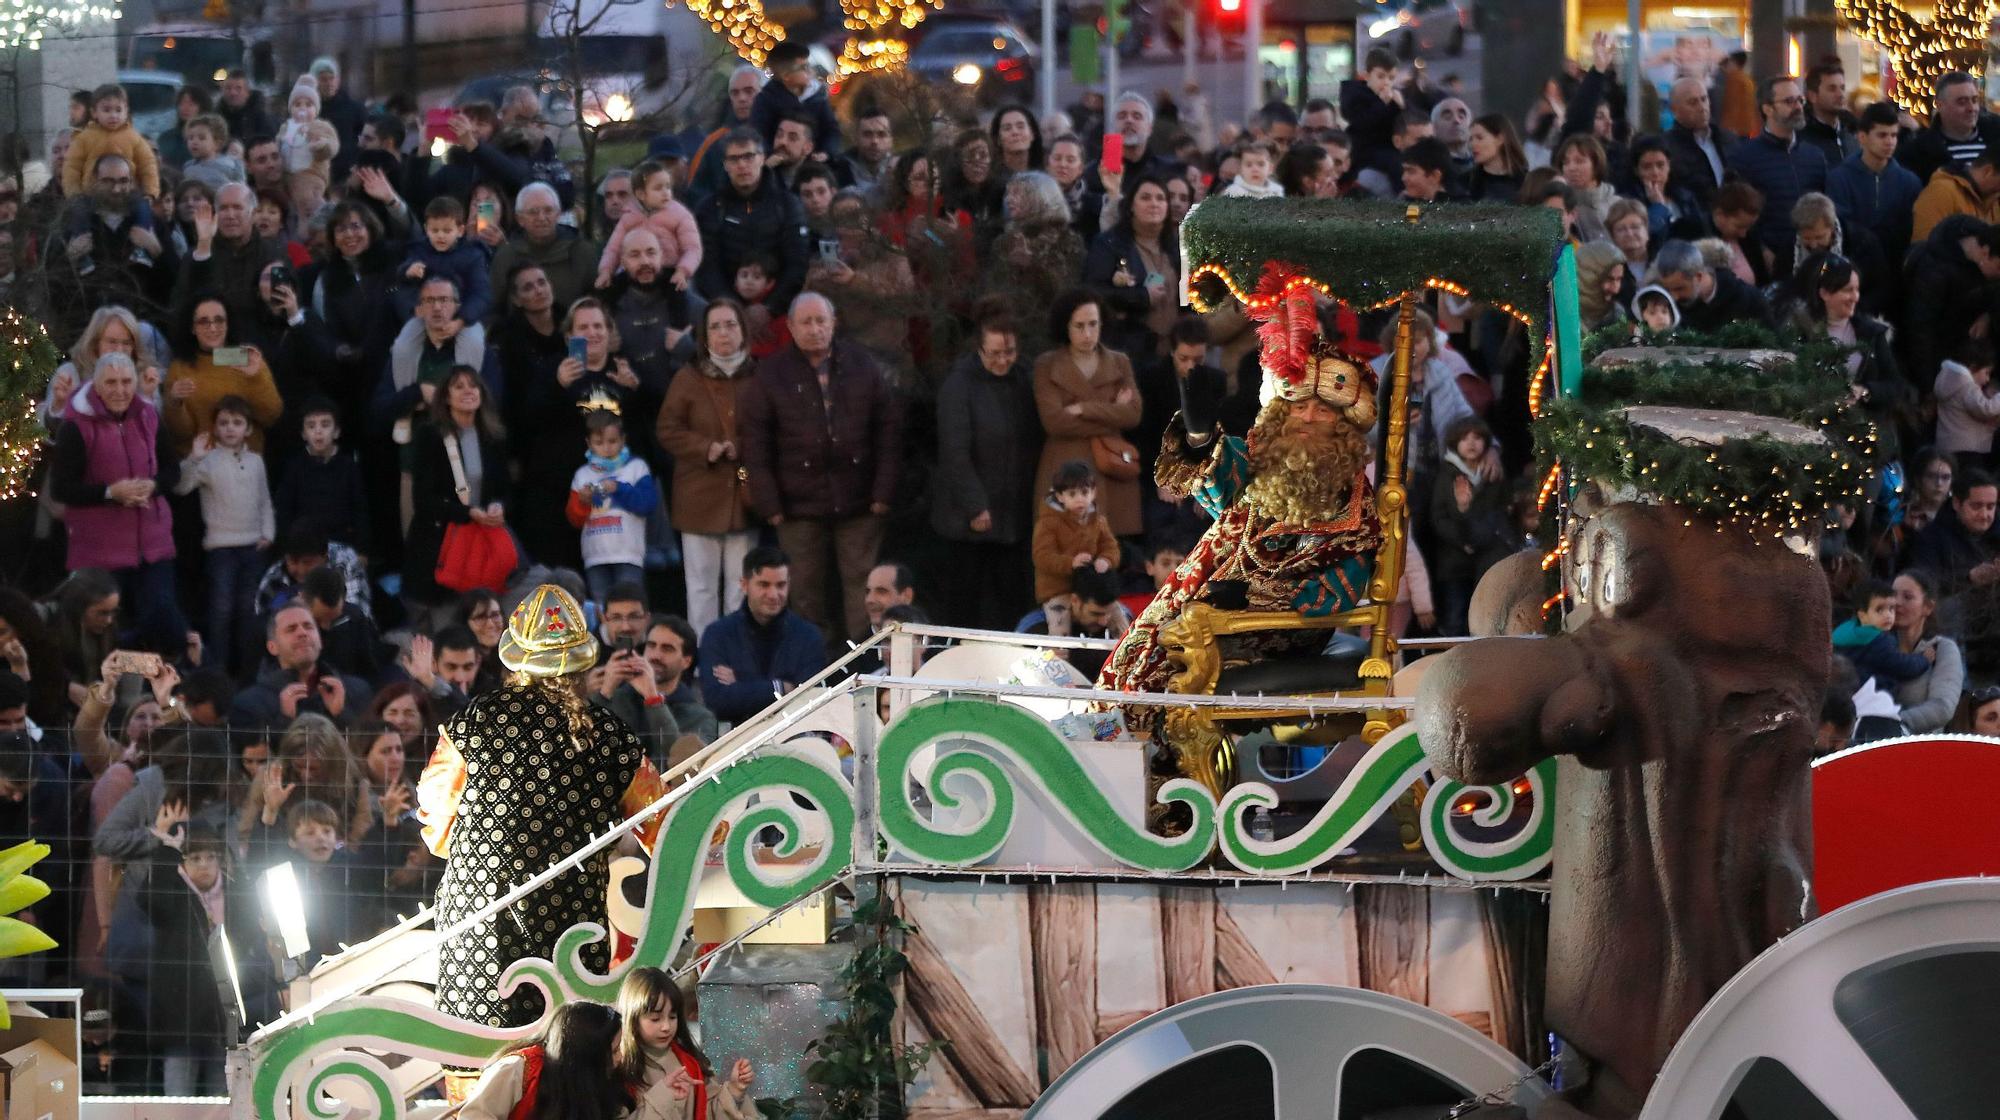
(940, 788)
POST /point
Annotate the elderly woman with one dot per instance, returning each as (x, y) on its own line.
(112, 330)
(568, 260)
(1087, 398)
(196, 380)
(1036, 257)
(1822, 230)
(697, 426)
(106, 467)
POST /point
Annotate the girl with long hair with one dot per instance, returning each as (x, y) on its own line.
(658, 1058)
(564, 1072)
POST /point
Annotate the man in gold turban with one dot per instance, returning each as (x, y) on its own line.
(523, 777)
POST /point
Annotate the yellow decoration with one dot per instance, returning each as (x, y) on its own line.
(18, 891)
(1922, 50)
(743, 23)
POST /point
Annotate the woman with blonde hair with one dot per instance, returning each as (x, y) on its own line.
(313, 764)
(522, 778)
(111, 328)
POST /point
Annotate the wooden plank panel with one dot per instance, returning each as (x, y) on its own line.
(1062, 927)
(1394, 924)
(948, 1011)
(1187, 937)
(1237, 963)
(1131, 980)
(1303, 933)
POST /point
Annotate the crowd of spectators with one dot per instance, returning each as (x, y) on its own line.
(332, 402)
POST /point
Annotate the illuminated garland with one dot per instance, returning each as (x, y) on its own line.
(1771, 486)
(30, 361)
(869, 50)
(1920, 50)
(25, 23)
(743, 23)
(867, 56)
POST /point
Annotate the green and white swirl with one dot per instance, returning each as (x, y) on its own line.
(1524, 852)
(968, 735)
(309, 1057)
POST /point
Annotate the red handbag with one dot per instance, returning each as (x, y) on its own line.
(472, 555)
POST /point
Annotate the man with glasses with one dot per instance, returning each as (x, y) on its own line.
(751, 215)
(1778, 163)
(111, 258)
(1960, 128)
(425, 350)
(568, 259)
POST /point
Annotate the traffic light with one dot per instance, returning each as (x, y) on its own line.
(1230, 6)
(1228, 14)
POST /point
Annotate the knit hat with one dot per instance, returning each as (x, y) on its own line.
(323, 65)
(306, 88)
(547, 636)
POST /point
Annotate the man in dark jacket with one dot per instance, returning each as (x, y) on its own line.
(1777, 162)
(989, 439)
(1697, 147)
(114, 261)
(295, 680)
(1708, 299)
(760, 650)
(1945, 283)
(229, 258)
(243, 108)
(1829, 126)
(1960, 128)
(338, 108)
(821, 436)
(751, 215)
(1871, 188)
(670, 650)
(1958, 547)
(655, 319)
(794, 89)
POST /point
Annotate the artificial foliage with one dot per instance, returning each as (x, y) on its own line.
(18, 891)
(27, 360)
(1773, 486)
(1368, 253)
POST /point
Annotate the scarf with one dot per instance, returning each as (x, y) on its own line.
(727, 367)
(623, 457)
(211, 899)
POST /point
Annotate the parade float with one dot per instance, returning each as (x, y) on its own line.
(974, 873)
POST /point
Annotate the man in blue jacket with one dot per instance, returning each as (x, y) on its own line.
(761, 650)
(1777, 162)
(1871, 188)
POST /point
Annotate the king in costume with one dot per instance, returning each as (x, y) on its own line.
(1295, 526)
(523, 777)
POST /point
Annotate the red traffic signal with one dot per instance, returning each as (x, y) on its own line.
(1231, 6)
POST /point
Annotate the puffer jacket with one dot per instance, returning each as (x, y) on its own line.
(1783, 170)
(771, 220)
(95, 449)
(809, 460)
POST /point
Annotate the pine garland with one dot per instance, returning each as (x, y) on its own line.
(1760, 481)
(27, 360)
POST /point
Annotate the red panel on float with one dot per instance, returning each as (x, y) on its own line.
(1904, 811)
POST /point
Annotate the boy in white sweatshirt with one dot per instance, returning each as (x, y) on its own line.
(610, 497)
(238, 525)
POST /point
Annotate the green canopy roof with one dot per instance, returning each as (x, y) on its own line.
(1368, 253)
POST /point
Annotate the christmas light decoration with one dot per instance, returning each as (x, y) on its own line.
(743, 23)
(1921, 50)
(25, 23)
(874, 15)
(866, 56)
(30, 360)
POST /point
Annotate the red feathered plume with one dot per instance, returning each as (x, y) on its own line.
(1288, 321)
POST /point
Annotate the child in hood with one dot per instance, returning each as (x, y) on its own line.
(306, 143)
(1655, 310)
(1070, 532)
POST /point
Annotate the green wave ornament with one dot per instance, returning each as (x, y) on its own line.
(313, 1055)
(969, 734)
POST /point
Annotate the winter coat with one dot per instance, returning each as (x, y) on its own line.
(1929, 701)
(1943, 293)
(1732, 302)
(435, 503)
(1060, 538)
(1782, 170)
(192, 415)
(1127, 310)
(512, 160)
(1882, 201)
(232, 270)
(1031, 266)
(235, 497)
(1949, 192)
(775, 102)
(249, 122)
(771, 220)
(94, 449)
(1471, 540)
(673, 224)
(569, 260)
(94, 143)
(789, 649)
(1058, 384)
(701, 409)
(258, 705)
(643, 314)
(1927, 149)
(1689, 165)
(1966, 413)
(989, 437)
(184, 1002)
(331, 488)
(466, 263)
(353, 311)
(809, 459)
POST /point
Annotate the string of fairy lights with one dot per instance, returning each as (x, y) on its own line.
(1922, 49)
(750, 32)
(25, 23)
(30, 361)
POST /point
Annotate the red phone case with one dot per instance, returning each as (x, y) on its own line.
(1112, 160)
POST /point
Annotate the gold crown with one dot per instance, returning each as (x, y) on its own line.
(547, 635)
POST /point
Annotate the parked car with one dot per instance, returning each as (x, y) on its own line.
(152, 95)
(990, 58)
